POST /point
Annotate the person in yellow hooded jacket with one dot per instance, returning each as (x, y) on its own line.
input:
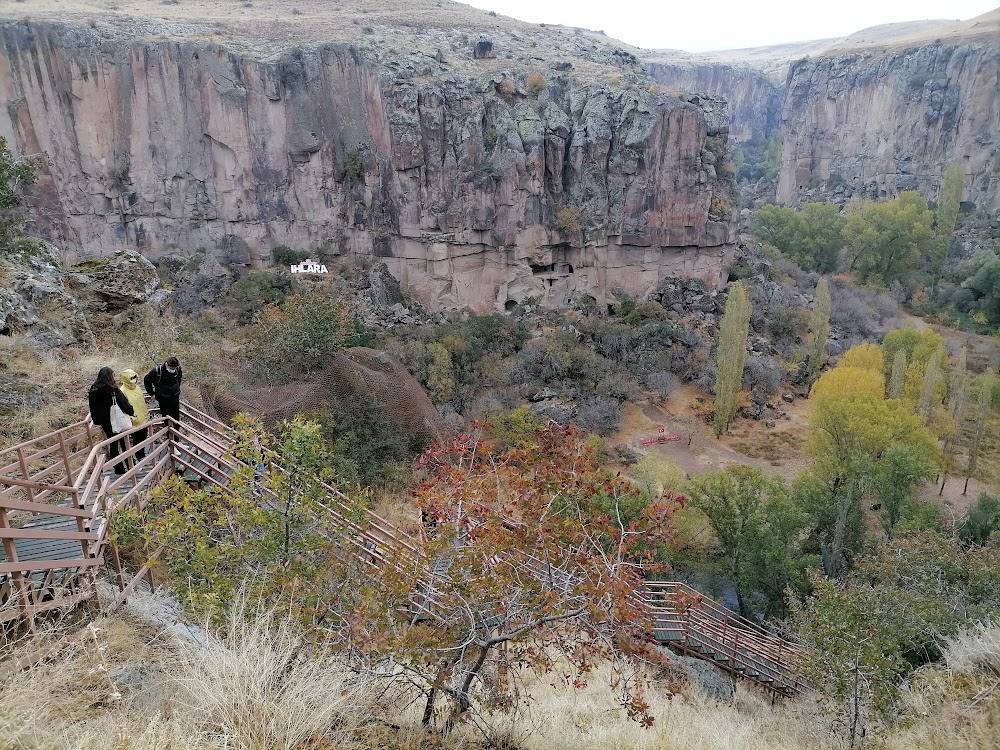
(130, 387)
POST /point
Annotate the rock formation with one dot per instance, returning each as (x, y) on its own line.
(873, 124)
(868, 116)
(52, 307)
(754, 99)
(549, 168)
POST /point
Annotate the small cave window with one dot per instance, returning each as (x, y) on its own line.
(569, 268)
(550, 282)
(509, 305)
(543, 269)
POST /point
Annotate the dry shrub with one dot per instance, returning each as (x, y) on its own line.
(253, 684)
(257, 681)
(565, 718)
(954, 706)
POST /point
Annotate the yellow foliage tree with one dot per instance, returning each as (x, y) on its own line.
(849, 382)
(865, 357)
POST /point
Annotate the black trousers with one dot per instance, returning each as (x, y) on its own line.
(114, 449)
(137, 437)
(170, 406)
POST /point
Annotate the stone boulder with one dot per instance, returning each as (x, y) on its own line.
(111, 283)
(34, 301)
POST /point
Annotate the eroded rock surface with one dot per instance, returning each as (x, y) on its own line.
(477, 187)
(876, 123)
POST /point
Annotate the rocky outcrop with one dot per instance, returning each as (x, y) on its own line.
(476, 190)
(872, 124)
(35, 302)
(754, 100)
(53, 307)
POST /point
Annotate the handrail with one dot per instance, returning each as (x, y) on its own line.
(694, 620)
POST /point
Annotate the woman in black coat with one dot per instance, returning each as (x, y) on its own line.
(103, 393)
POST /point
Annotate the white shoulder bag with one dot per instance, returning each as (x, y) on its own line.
(120, 421)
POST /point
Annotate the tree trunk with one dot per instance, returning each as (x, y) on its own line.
(429, 708)
(463, 701)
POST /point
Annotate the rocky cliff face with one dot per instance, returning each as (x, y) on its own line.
(754, 100)
(477, 187)
(872, 124)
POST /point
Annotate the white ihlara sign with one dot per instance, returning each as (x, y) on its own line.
(309, 266)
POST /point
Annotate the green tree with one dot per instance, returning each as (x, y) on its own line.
(886, 240)
(982, 520)
(819, 324)
(949, 201)
(853, 426)
(757, 528)
(895, 478)
(811, 237)
(213, 541)
(856, 634)
(983, 282)
(15, 173)
(731, 355)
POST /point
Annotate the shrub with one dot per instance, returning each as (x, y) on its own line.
(285, 256)
(354, 166)
(490, 137)
(299, 336)
(507, 87)
(664, 383)
(568, 219)
(762, 377)
(535, 84)
(257, 289)
(599, 414)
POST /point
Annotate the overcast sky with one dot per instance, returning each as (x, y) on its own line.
(701, 25)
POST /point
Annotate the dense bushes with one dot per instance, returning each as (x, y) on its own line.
(256, 290)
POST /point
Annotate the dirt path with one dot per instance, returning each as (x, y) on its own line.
(776, 450)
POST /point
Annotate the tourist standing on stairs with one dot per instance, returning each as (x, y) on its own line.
(163, 383)
(130, 387)
(103, 393)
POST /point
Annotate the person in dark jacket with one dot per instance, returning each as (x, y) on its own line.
(163, 383)
(103, 393)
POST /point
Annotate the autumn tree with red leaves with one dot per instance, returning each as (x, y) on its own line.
(534, 558)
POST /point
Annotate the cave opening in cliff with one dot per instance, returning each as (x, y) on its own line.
(536, 269)
(509, 305)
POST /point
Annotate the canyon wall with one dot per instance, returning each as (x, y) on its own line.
(754, 100)
(476, 190)
(871, 124)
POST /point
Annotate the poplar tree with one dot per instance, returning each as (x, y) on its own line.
(731, 355)
(982, 413)
(819, 324)
(932, 378)
(958, 391)
(898, 376)
(949, 203)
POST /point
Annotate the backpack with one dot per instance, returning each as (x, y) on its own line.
(159, 376)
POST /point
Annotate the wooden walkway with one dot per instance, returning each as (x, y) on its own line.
(57, 493)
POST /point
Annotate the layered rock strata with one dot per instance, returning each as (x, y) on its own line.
(476, 191)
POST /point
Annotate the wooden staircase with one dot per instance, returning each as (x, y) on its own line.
(58, 492)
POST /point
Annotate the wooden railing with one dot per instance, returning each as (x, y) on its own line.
(55, 492)
(55, 501)
(696, 624)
